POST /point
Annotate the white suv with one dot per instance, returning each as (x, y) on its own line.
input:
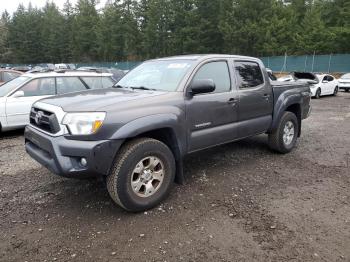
(18, 95)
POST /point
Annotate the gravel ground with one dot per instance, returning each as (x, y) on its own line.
(241, 202)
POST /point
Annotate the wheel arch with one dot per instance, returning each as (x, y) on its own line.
(296, 109)
(291, 104)
(162, 127)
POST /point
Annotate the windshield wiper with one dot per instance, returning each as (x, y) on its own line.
(119, 86)
(142, 88)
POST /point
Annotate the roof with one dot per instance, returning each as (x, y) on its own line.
(65, 73)
(205, 56)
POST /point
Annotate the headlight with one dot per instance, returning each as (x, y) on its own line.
(84, 123)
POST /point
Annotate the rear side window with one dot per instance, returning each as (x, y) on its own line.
(39, 87)
(218, 72)
(69, 84)
(330, 78)
(249, 74)
(98, 82)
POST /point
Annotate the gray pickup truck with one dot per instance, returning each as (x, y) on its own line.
(136, 134)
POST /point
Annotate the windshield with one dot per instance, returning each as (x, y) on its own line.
(157, 75)
(12, 85)
(346, 76)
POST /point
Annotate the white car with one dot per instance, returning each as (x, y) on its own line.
(344, 82)
(327, 85)
(287, 78)
(18, 95)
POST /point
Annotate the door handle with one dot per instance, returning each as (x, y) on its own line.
(266, 96)
(232, 101)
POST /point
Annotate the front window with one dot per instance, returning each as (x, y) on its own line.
(158, 75)
(218, 72)
(12, 85)
(39, 87)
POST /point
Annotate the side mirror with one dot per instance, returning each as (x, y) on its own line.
(18, 94)
(202, 86)
(325, 81)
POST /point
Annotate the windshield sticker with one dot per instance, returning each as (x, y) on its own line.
(178, 66)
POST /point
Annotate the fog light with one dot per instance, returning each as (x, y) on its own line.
(83, 162)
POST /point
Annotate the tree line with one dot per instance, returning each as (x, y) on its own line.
(140, 29)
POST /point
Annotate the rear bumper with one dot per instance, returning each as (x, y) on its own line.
(62, 156)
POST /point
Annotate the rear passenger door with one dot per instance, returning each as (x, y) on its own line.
(255, 98)
(69, 84)
(211, 117)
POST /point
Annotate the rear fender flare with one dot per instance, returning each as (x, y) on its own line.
(283, 102)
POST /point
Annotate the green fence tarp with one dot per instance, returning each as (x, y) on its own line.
(339, 63)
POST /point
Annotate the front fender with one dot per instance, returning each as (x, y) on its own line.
(156, 122)
(146, 124)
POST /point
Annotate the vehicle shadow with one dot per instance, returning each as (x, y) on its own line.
(91, 196)
(11, 134)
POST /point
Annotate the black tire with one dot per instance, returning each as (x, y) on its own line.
(276, 141)
(119, 180)
(335, 91)
(347, 90)
(318, 93)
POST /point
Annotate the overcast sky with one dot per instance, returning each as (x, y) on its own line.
(11, 5)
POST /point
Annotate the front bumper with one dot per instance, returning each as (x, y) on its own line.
(62, 156)
(343, 86)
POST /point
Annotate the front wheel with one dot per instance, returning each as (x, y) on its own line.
(335, 92)
(142, 175)
(318, 93)
(284, 139)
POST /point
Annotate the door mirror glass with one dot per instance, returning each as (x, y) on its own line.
(201, 86)
(18, 94)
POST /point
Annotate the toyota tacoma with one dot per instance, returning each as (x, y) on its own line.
(136, 134)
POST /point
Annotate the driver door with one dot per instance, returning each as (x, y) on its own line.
(18, 108)
(211, 117)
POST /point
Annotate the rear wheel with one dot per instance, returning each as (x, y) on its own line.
(347, 90)
(335, 91)
(143, 173)
(318, 93)
(284, 139)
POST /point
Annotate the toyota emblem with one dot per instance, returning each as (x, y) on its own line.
(38, 117)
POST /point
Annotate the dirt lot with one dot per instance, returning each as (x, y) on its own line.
(241, 202)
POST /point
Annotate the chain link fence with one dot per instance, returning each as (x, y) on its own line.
(339, 63)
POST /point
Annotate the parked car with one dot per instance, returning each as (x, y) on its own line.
(61, 66)
(136, 135)
(18, 95)
(286, 78)
(344, 82)
(117, 74)
(299, 76)
(65, 66)
(8, 74)
(326, 85)
(22, 69)
(271, 75)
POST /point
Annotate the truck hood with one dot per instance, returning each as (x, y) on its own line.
(94, 100)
